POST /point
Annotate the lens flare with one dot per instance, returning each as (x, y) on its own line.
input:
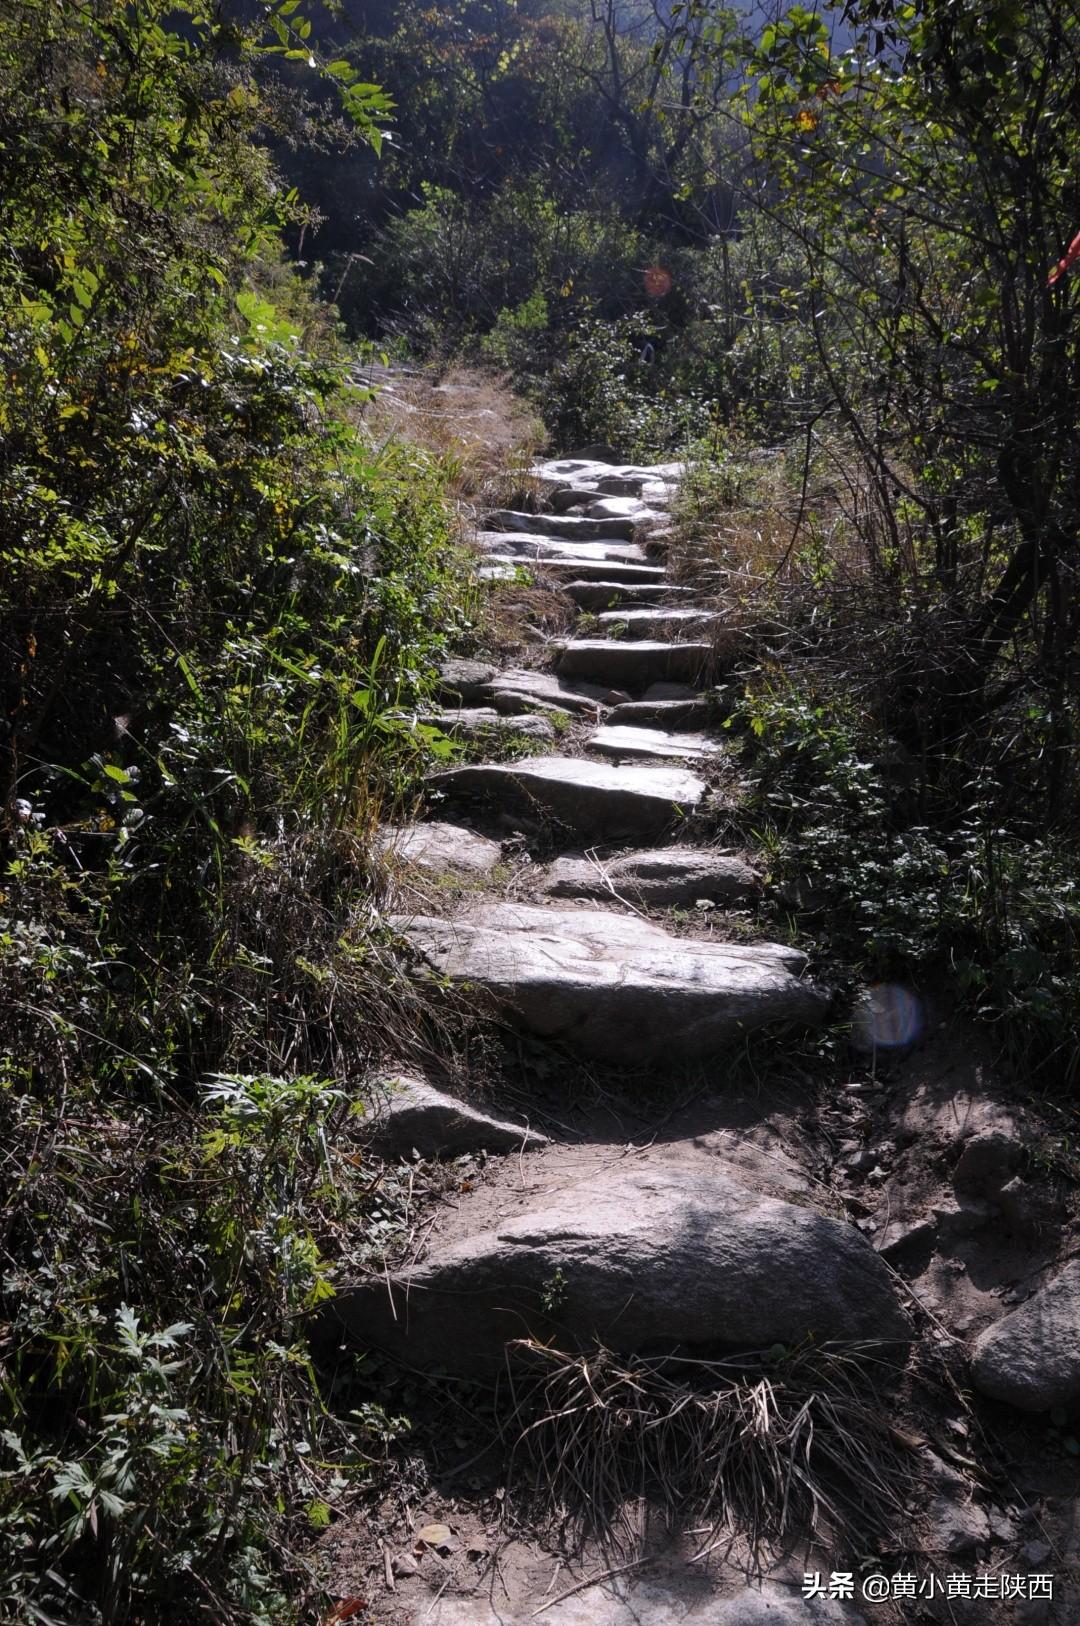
(657, 282)
(888, 1017)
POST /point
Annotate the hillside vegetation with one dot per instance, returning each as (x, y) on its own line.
(220, 597)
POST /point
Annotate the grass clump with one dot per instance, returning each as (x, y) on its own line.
(757, 1447)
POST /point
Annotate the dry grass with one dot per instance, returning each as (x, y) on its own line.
(486, 435)
(756, 1449)
(770, 524)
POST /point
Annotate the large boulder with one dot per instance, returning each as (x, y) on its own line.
(613, 986)
(1031, 1358)
(647, 1259)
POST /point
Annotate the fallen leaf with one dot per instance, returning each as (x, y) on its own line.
(434, 1535)
(346, 1610)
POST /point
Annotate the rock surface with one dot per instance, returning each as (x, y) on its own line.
(672, 875)
(643, 1259)
(598, 799)
(524, 547)
(632, 741)
(987, 1163)
(410, 1114)
(474, 682)
(570, 527)
(661, 713)
(614, 986)
(659, 622)
(440, 846)
(646, 1603)
(473, 722)
(1031, 1358)
(633, 665)
(597, 596)
(592, 570)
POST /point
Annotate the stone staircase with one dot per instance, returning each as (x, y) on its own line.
(655, 1228)
(698, 1245)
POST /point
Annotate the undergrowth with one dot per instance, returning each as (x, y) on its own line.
(222, 605)
(912, 841)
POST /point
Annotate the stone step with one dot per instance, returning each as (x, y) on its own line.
(632, 1601)
(653, 495)
(439, 847)
(658, 879)
(588, 570)
(633, 665)
(524, 547)
(609, 595)
(672, 714)
(614, 986)
(633, 509)
(630, 741)
(473, 722)
(568, 527)
(652, 1253)
(590, 471)
(600, 800)
(408, 1113)
(497, 571)
(515, 690)
(659, 622)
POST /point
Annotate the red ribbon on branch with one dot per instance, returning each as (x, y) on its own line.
(1072, 253)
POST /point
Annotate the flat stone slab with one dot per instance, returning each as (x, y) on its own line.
(661, 713)
(570, 527)
(496, 572)
(611, 595)
(615, 986)
(638, 1601)
(660, 879)
(590, 471)
(637, 493)
(647, 1258)
(584, 570)
(600, 800)
(1031, 1358)
(409, 1114)
(628, 740)
(662, 621)
(473, 722)
(440, 847)
(515, 689)
(517, 547)
(633, 665)
(671, 691)
(633, 509)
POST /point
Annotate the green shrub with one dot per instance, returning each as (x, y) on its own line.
(220, 606)
(895, 894)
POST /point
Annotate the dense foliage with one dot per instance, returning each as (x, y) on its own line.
(216, 599)
(927, 183)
